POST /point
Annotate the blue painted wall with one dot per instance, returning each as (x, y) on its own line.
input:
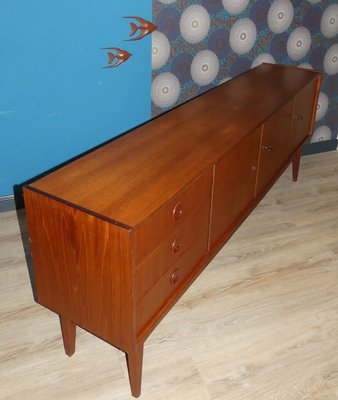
(55, 99)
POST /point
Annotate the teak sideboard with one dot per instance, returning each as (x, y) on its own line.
(119, 234)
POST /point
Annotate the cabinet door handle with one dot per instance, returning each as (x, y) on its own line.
(176, 245)
(174, 278)
(178, 212)
(267, 148)
(299, 117)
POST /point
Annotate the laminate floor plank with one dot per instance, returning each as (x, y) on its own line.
(261, 322)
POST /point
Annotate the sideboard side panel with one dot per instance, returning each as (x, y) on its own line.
(81, 265)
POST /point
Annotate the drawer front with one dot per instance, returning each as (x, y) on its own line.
(192, 202)
(168, 252)
(162, 294)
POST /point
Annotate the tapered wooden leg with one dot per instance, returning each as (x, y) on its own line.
(134, 363)
(295, 165)
(68, 329)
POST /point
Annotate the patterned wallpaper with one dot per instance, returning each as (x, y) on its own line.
(202, 43)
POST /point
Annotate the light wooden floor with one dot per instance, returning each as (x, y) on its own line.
(261, 322)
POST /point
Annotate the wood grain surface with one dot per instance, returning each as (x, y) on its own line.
(238, 171)
(274, 146)
(82, 268)
(262, 323)
(167, 153)
(87, 248)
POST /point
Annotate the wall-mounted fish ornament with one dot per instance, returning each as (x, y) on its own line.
(145, 28)
(117, 58)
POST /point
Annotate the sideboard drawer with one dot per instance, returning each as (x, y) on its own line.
(162, 293)
(153, 266)
(193, 202)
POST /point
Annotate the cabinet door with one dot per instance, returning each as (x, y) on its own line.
(234, 184)
(274, 145)
(302, 116)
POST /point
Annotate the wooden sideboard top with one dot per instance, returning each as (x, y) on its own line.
(129, 178)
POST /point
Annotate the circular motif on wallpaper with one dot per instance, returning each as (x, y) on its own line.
(299, 43)
(160, 49)
(305, 65)
(329, 21)
(165, 90)
(243, 35)
(331, 60)
(321, 134)
(322, 106)
(195, 24)
(235, 6)
(204, 67)
(167, 1)
(314, 1)
(280, 15)
(265, 57)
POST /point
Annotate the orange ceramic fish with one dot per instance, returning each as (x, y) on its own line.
(145, 28)
(117, 58)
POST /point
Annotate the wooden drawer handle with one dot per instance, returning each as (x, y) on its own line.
(176, 245)
(178, 212)
(174, 278)
(267, 148)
